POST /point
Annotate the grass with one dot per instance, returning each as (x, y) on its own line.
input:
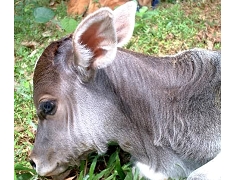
(170, 28)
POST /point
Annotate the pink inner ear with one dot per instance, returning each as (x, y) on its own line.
(90, 38)
(95, 40)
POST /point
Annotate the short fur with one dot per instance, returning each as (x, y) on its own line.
(164, 111)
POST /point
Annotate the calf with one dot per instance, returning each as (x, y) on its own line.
(88, 92)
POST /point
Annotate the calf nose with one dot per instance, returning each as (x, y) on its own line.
(33, 164)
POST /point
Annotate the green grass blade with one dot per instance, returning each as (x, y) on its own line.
(111, 177)
(85, 178)
(119, 169)
(15, 176)
(101, 174)
(20, 167)
(129, 176)
(92, 168)
(80, 176)
(82, 165)
(112, 159)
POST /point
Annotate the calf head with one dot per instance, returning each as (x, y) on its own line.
(67, 109)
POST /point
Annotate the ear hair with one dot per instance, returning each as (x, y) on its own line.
(124, 17)
(95, 41)
(97, 37)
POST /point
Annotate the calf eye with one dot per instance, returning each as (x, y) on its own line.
(47, 108)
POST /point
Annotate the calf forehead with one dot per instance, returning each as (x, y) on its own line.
(49, 67)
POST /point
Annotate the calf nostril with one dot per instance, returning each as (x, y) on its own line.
(33, 164)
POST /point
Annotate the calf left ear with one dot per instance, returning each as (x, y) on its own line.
(95, 41)
(124, 17)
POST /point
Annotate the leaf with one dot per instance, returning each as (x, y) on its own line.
(15, 175)
(100, 175)
(149, 14)
(136, 173)
(24, 176)
(119, 169)
(80, 176)
(43, 14)
(92, 167)
(129, 176)
(111, 177)
(47, 34)
(20, 167)
(19, 128)
(68, 24)
(143, 9)
(169, 25)
(112, 159)
(86, 177)
(30, 44)
(18, 18)
(82, 165)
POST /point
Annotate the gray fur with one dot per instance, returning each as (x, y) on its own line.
(164, 111)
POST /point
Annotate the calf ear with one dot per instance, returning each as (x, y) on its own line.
(95, 40)
(97, 37)
(124, 17)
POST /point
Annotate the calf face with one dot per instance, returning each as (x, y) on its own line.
(88, 92)
(66, 126)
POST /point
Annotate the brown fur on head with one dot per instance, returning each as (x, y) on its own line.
(84, 7)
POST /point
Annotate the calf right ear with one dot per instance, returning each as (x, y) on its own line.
(97, 37)
(95, 42)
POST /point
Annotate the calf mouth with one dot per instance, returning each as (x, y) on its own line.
(58, 170)
(62, 176)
